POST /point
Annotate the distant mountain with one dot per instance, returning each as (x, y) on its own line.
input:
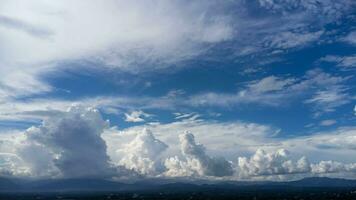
(8, 185)
(323, 182)
(95, 185)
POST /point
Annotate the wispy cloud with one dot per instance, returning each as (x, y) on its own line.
(328, 100)
(136, 116)
(341, 61)
(33, 30)
(328, 92)
(115, 34)
(328, 122)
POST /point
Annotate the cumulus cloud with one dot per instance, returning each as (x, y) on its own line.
(197, 161)
(324, 167)
(79, 143)
(68, 144)
(142, 154)
(263, 163)
(12, 165)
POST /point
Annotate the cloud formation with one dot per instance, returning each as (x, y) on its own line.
(114, 34)
(324, 91)
(350, 38)
(142, 45)
(325, 167)
(142, 154)
(80, 143)
(69, 144)
(136, 116)
(341, 61)
(276, 163)
(196, 161)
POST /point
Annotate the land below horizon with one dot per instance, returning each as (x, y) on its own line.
(308, 188)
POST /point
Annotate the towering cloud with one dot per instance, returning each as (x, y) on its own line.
(142, 153)
(196, 161)
(68, 144)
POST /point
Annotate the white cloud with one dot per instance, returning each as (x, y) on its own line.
(12, 165)
(328, 100)
(240, 138)
(287, 40)
(136, 116)
(30, 29)
(227, 138)
(263, 163)
(329, 92)
(325, 167)
(142, 153)
(42, 37)
(328, 9)
(79, 143)
(39, 36)
(17, 83)
(323, 91)
(68, 145)
(111, 29)
(338, 145)
(183, 116)
(328, 122)
(341, 61)
(196, 162)
(269, 84)
(35, 109)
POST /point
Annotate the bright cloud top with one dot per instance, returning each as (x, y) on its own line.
(70, 145)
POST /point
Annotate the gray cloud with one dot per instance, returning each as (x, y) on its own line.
(28, 28)
(324, 167)
(70, 143)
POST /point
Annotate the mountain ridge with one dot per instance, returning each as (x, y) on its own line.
(92, 185)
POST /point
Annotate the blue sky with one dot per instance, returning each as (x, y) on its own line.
(281, 71)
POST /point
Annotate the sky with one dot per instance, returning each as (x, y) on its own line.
(218, 90)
